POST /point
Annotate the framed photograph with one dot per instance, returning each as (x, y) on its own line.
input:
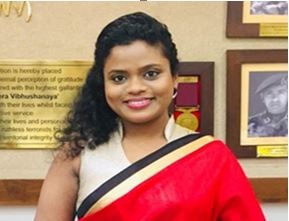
(264, 101)
(249, 73)
(194, 103)
(257, 100)
(257, 19)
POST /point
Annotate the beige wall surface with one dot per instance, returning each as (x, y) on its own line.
(68, 30)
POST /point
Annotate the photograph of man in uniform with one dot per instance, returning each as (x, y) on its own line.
(269, 7)
(268, 105)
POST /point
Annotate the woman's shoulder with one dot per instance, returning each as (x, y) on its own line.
(174, 131)
(65, 159)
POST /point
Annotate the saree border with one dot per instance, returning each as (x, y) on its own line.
(140, 171)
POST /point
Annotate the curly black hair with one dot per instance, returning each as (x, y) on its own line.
(91, 121)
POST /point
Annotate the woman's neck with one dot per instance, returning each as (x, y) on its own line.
(139, 140)
(154, 128)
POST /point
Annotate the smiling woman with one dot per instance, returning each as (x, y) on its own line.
(121, 155)
(139, 83)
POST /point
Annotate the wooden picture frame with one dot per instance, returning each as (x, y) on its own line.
(235, 60)
(258, 26)
(205, 72)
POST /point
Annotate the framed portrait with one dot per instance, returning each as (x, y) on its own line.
(264, 103)
(257, 19)
(257, 101)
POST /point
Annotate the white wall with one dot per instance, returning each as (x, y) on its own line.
(273, 212)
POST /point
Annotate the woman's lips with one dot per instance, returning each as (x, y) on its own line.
(138, 103)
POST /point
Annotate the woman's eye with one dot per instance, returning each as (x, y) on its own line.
(151, 74)
(118, 78)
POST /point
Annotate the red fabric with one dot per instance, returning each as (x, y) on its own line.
(188, 95)
(206, 185)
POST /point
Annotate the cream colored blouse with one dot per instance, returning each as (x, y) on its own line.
(108, 159)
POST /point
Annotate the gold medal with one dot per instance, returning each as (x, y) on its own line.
(188, 119)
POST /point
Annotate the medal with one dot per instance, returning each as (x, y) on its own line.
(188, 119)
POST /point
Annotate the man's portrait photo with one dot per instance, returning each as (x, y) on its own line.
(268, 104)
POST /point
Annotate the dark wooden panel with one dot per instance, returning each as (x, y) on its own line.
(270, 189)
(19, 192)
(26, 192)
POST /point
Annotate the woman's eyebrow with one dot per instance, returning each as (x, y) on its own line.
(141, 69)
(149, 66)
(116, 71)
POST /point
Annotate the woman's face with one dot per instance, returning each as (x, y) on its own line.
(138, 82)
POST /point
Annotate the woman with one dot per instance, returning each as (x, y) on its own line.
(122, 157)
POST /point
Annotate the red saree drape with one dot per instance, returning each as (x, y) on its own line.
(193, 178)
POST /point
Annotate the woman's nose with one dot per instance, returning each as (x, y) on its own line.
(136, 86)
